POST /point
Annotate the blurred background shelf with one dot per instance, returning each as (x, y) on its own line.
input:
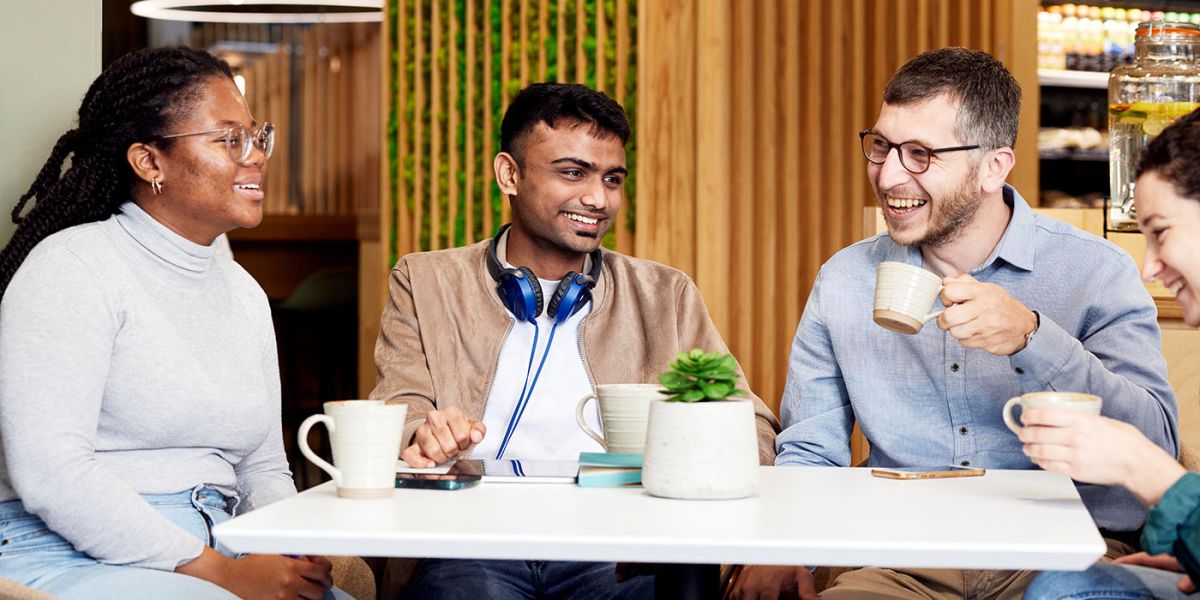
(1073, 79)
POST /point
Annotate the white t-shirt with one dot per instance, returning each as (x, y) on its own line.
(547, 429)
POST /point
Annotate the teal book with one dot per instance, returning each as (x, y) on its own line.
(609, 469)
(610, 459)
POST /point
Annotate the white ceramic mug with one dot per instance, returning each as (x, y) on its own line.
(365, 436)
(1068, 400)
(904, 297)
(624, 410)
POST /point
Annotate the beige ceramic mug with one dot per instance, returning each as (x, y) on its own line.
(1068, 400)
(365, 435)
(904, 297)
(624, 410)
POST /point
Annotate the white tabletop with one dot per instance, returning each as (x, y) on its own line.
(814, 516)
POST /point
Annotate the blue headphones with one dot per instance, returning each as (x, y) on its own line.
(521, 294)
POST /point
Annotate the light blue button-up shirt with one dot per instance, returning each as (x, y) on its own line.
(926, 400)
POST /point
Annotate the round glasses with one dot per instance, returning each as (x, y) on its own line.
(240, 141)
(914, 157)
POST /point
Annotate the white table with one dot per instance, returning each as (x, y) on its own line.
(814, 516)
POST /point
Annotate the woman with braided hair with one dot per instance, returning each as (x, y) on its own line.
(139, 384)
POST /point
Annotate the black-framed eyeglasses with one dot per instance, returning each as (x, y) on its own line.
(239, 140)
(914, 157)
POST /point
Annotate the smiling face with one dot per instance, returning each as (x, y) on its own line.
(1171, 223)
(567, 188)
(205, 191)
(930, 208)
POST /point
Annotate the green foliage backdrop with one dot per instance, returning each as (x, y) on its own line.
(406, 169)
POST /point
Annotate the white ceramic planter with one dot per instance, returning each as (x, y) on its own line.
(701, 450)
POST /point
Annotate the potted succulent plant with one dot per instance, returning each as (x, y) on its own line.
(701, 441)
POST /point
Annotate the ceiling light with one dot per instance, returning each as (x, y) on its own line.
(261, 11)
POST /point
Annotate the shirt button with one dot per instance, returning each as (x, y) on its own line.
(1019, 371)
(962, 430)
(965, 463)
(954, 367)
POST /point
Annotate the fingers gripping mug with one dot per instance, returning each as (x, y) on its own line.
(1067, 400)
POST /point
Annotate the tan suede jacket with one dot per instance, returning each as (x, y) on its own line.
(443, 326)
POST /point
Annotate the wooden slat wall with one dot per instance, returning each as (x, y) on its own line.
(750, 174)
(319, 88)
(459, 63)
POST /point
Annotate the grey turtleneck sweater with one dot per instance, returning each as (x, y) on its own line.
(133, 361)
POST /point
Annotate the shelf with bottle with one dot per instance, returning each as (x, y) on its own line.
(1095, 80)
(1080, 37)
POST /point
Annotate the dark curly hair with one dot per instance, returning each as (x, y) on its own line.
(550, 103)
(135, 99)
(1175, 155)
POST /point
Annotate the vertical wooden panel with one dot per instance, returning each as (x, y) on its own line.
(744, 246)
(524, 16)
(471, 165)
(419, 152)
(765, 188)
(713, 106)
(489, 227)
(452, 129)
(601, 35)
(580, 34)
(561, 59)
(623, 232)
(505, 74)
(543, 35)
(435, 125)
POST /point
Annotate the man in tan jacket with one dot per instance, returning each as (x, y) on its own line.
(491, 345)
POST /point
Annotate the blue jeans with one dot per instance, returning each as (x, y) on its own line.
(1107, 582)
(33, 555)
(443, 579)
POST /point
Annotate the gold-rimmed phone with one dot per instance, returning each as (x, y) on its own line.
(927, 472)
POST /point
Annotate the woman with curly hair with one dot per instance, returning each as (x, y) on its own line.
(139, 384)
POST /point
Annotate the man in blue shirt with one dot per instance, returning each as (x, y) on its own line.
(1032, 304)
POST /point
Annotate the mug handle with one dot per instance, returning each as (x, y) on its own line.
(1008, 417)
(583, 424)
(933, 315)
(308, 423)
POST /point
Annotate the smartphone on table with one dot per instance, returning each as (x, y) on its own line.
(927, 472)
(436, 481)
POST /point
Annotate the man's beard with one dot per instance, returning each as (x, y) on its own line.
(948, 214)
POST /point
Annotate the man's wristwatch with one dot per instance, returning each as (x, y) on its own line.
(1036, 325)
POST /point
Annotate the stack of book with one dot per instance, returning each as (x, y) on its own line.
(609, 469)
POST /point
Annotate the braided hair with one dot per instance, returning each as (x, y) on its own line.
(135, 99)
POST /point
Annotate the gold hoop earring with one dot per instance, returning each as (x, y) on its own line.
(156, 187)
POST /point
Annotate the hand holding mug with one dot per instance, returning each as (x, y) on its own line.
(446, 434)
(985, 316)
(1093, 449)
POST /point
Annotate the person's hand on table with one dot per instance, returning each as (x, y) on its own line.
(264, 576)
(446, 434)
(1095, 449)
(756, 582)
(1164, 562)
(985, 316)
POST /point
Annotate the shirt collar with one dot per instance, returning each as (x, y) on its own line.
(1016, 246)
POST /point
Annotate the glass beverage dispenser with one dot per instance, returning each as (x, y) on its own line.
(1161, 85)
